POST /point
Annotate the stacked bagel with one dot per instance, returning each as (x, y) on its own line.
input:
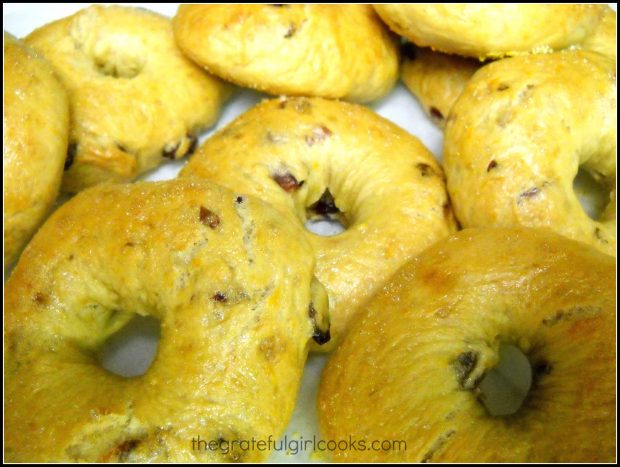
(417, 314)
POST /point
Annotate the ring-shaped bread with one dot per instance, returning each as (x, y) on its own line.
(231, 283)
(334, 51)
(408, 375)
(36, 130)
(135, 99)
(314, 158)
(518, 135)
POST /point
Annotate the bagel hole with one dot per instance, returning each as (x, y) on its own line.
(505, 386)
(325, 227)
(118, 56)
(592, 193)
(324, 218)
(118, 69)
(130, 351)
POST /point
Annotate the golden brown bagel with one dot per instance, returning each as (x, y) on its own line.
(335, 51)
(36, 128)
(228, 279)
(410, 366)
(492, 30)
(314, 157)
(603, 40)
(517, 136)
(135, 99)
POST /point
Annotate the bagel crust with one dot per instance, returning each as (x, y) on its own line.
(436, 80)
(492, 30)
(519, 133)
(36, 129)
(604, 39)
(410, 365)
(230, 283)
(334, 51)
(135, 99)
(310, 157)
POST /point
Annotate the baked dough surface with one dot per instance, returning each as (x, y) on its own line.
(334, 51)
(135, 99)
(36, 129)
(229, 281)
(313, 158)
(411, 363)
(518, 135)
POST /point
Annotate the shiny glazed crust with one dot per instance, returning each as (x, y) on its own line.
(413, 359)
(437, 79)
(229, 281)
(385, 187)
(334, 51)
(517, 136)
(36, 128)
(492, 31)
(135, 99)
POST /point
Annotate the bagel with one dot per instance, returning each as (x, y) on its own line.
(603, 40)
(135, 99)
(492, 31)
(230, 282)
(311, 157)
(412, 364)
(517, 136)
(334, 51)
(36, 129)
(436, 79)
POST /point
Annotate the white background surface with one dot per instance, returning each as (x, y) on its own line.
(399, 106)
